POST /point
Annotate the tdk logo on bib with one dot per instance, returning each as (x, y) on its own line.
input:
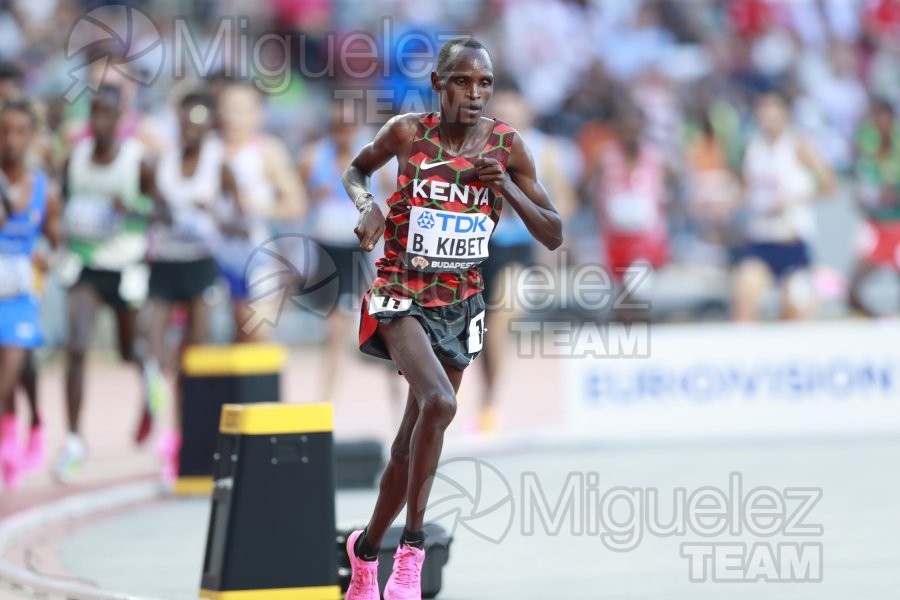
(457, 223)
(425, 221)
(440, 240)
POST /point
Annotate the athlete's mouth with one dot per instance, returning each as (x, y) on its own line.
(474, 108)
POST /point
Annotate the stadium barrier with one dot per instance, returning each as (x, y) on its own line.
(272, 525)
(211, 377)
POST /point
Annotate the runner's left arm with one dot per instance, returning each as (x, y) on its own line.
(160, 210)
(291, 201)
(52, 228)
(6, 207)
(519, 186)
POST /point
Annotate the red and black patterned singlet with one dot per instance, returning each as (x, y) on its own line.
(439, 220)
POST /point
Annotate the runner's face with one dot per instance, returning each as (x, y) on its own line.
(104, 120)
(884, 121)
(16, 131)
(239, 112)
(772, 114)
(195, 121)
(8, 89)
(631, 127)
(466, 87)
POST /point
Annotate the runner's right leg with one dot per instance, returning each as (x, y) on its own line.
(394, 488)
(34, 449)
(12, 359)
(83, 304)
(861, 273)
(159, 314)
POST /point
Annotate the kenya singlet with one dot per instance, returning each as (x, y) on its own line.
(440, 220)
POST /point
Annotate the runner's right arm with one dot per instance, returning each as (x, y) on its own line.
(52, 229)
(160, 211)
(5, 200)
(393, 140)
(237, 226)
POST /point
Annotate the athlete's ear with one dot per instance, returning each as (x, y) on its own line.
(435, 81)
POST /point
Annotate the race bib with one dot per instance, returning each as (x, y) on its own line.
(476, 333)
(16, 276)
(440, 240)
(194, 224)
(381, 304)
(90, 218)
(630, 211)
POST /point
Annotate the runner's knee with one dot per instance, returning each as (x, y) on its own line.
(76, 354)
(439, 407)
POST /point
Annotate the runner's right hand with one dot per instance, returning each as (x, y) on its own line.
(370, 228)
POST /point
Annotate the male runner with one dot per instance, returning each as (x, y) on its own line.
(783, 176)
(269, 192)
(190, 179)
(425, 310)
(11, 81)
(105, 227)
(31, 208)
(878, 195)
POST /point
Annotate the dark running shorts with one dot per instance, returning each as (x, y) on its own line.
(782, 259)
(456, 331)
(182, 281)
(105, 284)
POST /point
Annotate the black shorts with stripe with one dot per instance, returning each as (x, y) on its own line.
(456, 331)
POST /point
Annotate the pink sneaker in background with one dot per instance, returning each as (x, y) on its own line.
(10, 457)
(169, 447)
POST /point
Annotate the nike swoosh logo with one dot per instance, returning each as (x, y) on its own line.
(425, 166)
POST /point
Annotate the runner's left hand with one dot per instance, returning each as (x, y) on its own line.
(119, 205)
(492, 173)
(370, 228)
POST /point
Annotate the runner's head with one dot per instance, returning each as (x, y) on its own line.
(10, 81)
(106, 111)
(240, 112)
(195, 118)
(883, 117)
(17, 127)
(464, 78)
(773, 113)
(629, 126)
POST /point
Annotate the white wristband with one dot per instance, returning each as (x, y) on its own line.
(364, 202)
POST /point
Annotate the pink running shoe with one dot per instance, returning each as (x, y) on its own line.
(364, 574)
(405, 582)
(34, 450)
(169, 447)
(12, 473)
(9, 447)
(10, 459)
